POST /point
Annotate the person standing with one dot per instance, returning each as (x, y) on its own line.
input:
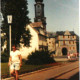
(15, 62)
(69, 56)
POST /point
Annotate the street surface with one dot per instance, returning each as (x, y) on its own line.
(65, 72)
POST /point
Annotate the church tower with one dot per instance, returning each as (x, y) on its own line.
(39, 13)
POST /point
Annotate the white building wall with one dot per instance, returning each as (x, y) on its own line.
(34, 45)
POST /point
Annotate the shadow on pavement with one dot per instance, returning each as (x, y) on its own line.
(57, 79)
(74, 77)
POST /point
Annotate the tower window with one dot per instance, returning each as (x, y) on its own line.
(39, 19)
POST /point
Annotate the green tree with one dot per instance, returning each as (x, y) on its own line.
(19, 10)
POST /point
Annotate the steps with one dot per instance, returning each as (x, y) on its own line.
(64, 58)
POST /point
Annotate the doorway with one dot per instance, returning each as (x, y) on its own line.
(64, 51)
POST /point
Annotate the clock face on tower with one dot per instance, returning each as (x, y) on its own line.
(38, 9)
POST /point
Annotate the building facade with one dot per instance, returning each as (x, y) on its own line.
(42, 39)
(51, 41)
(38, 40)
(66, 43)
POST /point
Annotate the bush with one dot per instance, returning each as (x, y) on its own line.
(39, 57)
(4, 57)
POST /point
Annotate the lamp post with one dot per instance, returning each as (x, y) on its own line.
(9, 18)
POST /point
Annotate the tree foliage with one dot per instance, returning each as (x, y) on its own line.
(19, 11)
(4, 57)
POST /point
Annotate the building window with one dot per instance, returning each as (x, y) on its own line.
(73, 42)
(68, 36)
(63, 36)
(39, 19)
(49, 42)
(70, 48)
(69, 42)
(63, 42)
(73, 47)
(58, 38)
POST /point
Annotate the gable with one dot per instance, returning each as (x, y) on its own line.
(67, 33)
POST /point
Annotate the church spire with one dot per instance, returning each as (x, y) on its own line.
(39, 12)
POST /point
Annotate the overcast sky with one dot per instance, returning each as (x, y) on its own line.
(60, 15)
